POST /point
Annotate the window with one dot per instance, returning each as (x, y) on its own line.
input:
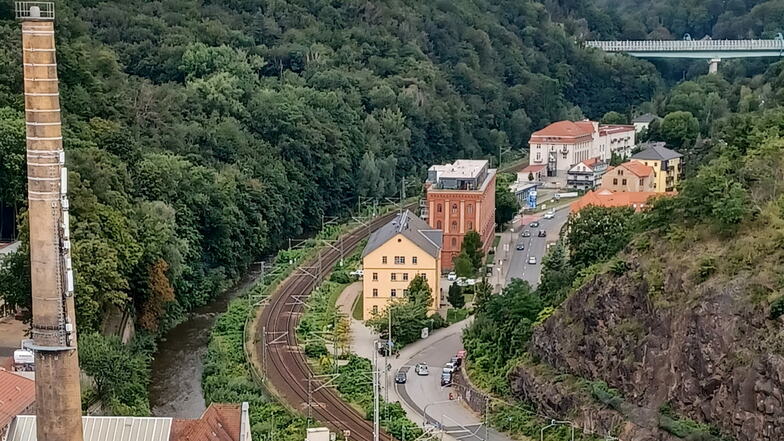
(454, 242)
(623, 182)
(439, 208)
(470, 209)
(375, 292)
(641, 184)
(538, 156)
(454, 227)
(384, 260)
(393, 293)
(615, 181)
(439, 225)
(400, 260)
(424, 276)
(620, 172)
(375, 277)
(470, 226)
(405, 277)
(405, 293)
(394, 277)
(454, 208)
(414, 260)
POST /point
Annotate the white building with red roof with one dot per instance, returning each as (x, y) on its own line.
(564, 144)
(586, 175)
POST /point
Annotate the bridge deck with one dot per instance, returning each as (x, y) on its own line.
(687, 45)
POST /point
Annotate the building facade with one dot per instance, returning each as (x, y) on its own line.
(642, 122)
(628, 177)
(460, 198)
(563, 144)
(667, 166)
(395, 254)
(586, 175)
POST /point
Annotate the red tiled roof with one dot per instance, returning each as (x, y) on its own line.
(534, 168)
(16, 394)
(607, 198)
(591, 162)
(568, 130)
(220, 422)
(638, 168)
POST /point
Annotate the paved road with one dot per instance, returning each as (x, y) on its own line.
(431, 403)
(519, 268)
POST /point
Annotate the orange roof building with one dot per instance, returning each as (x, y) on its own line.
(17, 396)
(220, 422)
(606, 198)
(629, 177)
(563, 144)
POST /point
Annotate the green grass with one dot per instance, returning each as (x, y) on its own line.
(456, 315)
(359, 307)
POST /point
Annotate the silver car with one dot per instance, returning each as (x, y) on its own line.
(421, 369)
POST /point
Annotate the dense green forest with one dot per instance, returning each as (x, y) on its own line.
(200, 135)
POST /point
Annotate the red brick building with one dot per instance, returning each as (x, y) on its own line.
(460, 198)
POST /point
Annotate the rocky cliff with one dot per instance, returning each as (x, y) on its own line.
(673, 330)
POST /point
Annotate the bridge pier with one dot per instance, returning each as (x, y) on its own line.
(713, 65)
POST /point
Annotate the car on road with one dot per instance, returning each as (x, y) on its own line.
(542, 233)
(449, 367)
(532, 260)
(549, 215)
(451, 276)
(526, 233)
(421, 369)
(520, 246)
(400, 378)
(446, 379)
(455, 361)
(534, 224)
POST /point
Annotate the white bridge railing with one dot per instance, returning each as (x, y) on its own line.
(686, 45)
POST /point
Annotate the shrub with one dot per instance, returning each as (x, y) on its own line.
(777, 308)
(315, 349)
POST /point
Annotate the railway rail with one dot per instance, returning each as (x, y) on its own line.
(285, 366)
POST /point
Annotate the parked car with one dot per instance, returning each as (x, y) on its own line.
(534, 224)
(455, 361)
(446, 379)
(520, 246)
(449, 367)
(526, 233)
(421, 369)
(470, 282)
(532, 260)
(451, 276)
(358, 273)
(542, 233)
(400, 377)
(549, 215)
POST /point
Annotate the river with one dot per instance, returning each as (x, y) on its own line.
(175, 389)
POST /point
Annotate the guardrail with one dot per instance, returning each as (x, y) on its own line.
(686, 45)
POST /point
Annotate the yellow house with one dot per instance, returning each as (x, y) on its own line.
(394, 255)
(667, 166)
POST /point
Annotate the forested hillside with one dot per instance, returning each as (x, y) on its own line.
(200, 135)
(671, 19)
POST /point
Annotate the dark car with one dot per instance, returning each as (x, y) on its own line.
(526, 233)
(534, 224)
(520, 246)
(456, 361)
(542, 233)
(446, 379)
(400, 378)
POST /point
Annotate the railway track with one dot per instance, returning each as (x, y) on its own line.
(285, 365)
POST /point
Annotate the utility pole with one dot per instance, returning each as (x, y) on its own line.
(58, 395)
(375, 392)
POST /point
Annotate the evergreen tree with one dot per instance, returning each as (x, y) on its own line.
(455, 296)
(472, 247)
(463, 265)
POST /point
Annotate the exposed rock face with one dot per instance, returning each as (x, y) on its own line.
(707, 349)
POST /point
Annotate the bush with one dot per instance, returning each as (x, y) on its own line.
(341, 277)
(315, 349)
(437, 321)
(456, 315)
(777, 308)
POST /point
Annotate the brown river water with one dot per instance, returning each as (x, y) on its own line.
(175, 389)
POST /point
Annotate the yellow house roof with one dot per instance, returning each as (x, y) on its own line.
(410, 226)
